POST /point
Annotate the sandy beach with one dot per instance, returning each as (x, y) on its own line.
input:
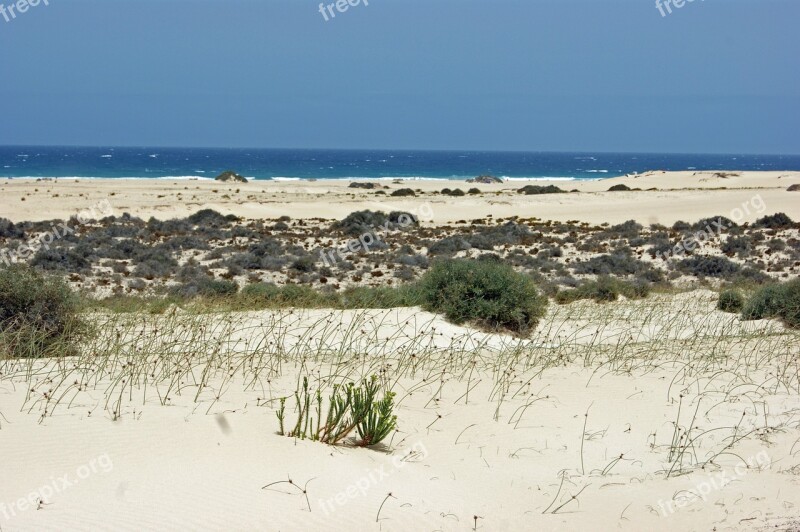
(687, 196)
(660, 413)
(353, 266)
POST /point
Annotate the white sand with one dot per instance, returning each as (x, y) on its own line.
(681, 195)
(499, 454)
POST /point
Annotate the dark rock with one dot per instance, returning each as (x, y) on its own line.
(538, 189)
(486, 179)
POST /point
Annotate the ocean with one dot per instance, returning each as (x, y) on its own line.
(283, 164)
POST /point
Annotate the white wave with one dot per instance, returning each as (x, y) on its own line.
(106, 156)
(597, 171)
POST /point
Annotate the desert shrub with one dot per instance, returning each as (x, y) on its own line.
(290, 295)
(453, 192)
(137, 284)
(510, 233)
(210, 217)
(39, 315)
(260, 292)
(714, 224)
(680, 225)
(616, 264)
(9, 230)
(304, 264)
(484, 291)
(60, 259)
(628, 229)
(730, 301)
(190, 271)
(401, 192)
(780, 300)
(404, 274)
(776, 244)
(474, 190)
(125, 249)
(360, 222)
(736, 245)
(402, 219)
(155, 263)
(185, 242)
(449, 245)
(539, 189)
(775, 221)
(708, 266)
(619, 188)
(604, 289)
(749, 275)
(205, 287)
(412, 260)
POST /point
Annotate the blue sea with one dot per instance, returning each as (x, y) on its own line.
(282, 164)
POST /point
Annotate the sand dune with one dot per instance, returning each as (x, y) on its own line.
(504, 429)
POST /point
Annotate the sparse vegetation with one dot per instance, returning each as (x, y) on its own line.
(603, 290)
(730, 301)
(779, 300)
(39, 315)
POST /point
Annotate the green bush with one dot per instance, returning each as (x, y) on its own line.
(39, 315)
(482, 291)
(781, 300)
(730, 301)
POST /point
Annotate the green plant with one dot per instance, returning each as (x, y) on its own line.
(483, 291)
(349, 408)
(39, 315)
(730, 301)
(781, 300)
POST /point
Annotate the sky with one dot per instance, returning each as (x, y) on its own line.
(714, 76)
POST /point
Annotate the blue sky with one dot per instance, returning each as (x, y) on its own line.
(719, 76)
